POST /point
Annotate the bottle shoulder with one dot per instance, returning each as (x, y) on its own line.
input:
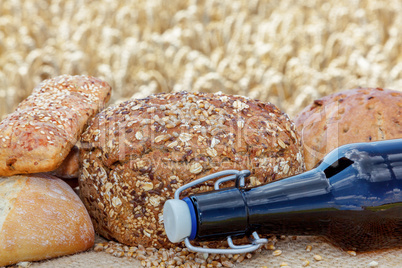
(375, 161)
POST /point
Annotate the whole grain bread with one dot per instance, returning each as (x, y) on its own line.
(38, 136)
(41, 217)
(136, 154)
(357, 115)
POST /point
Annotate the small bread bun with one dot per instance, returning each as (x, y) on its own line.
(70, 167)
(358, 115)
(39, 135)
(135, 156)
(41, 217)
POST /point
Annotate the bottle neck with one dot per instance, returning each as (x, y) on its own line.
(220, 213)
(295, 205)
(287, 206)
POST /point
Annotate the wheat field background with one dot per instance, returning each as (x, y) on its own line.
(286, 52)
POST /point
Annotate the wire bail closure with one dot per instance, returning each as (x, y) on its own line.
(239, 177)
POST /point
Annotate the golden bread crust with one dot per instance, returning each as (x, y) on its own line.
(41, 217)
(40, 133)
(70, 167)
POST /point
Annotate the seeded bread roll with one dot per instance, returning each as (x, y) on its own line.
(68, 171)
(41, 217)
(40, 133)
(135, 155)
(69, 168)
(358, 115)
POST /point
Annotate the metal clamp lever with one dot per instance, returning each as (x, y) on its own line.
(234, 249)
(239, 176)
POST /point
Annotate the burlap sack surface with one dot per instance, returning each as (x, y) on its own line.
(294, 254)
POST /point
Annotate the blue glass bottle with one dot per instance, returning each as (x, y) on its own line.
(353, 197)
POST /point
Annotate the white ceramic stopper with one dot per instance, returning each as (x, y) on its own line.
(177, 220)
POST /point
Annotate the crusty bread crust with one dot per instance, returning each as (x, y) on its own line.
(135, 155)
(41, 217)
(70, 167)
(40, 133)
(358, 115)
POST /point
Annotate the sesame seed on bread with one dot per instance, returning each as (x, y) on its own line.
(43, 129)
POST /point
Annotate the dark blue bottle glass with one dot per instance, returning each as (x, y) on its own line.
(353, 197)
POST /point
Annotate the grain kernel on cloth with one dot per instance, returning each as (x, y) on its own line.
(171, 257)
(24, 264)
(227, 264)
(317, 257)
(98, 247)
(269, 246)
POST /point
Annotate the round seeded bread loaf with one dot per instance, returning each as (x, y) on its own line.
(41, 217)
(135, 155)
(358, 115)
